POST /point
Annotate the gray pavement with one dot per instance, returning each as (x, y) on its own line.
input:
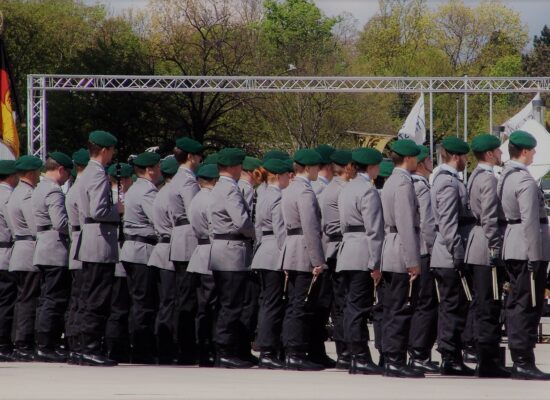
(54, 381)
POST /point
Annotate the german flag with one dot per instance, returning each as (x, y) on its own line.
(8, 130)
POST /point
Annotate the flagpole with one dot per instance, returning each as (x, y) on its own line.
(465, 119)
(491, 113)
(431, 123)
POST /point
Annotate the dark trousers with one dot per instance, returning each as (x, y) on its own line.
(299, 312)
(249, 317)
(339, 291)
(185, 311)
(359, 301)
(469, 333)
(487, 311)
(96, 290)
(166, 288)
(28, 292)
(72, 325)
(8, 296)
(453, 308)
(54, 297)
(423, 332)
(378, 315)
(521, 317)
(117, 326)
(143, 306)
(207, 298)
(231, 288)
(272, 308)
(322, 306)
(398, 311)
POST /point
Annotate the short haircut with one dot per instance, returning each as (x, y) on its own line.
(180, 155)
(94, 149)
(298, 168)
(360, 167)
(515, 152)
(396, 158)
(338, 169)
(480, 155)
(51, 164)
(4, 177)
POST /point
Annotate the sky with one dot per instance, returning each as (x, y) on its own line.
(534, 13)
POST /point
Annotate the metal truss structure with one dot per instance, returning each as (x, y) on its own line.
(38, 85)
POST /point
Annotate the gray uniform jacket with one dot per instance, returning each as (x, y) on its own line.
(75, 222)
(22, 224)
(402, 223)
(330, 217)
(138, 221)
(485, 206)
(269, 219)
(527, 236)
(198, 216)
(52, 224)
(98, 242)
(163, 221)
(301, 210)
(427, 220)
(319, 185)
(184, 187)
(229, 215)
(248, 192)
(5, 231)
(452, 217)
(360, 208)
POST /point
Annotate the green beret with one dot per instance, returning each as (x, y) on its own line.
(7, 167)
(146, 159)
(81, 157)
(424, 153)
(341, 157)
(386, 168)
(230, 156)
(289, 164)
(211, 159)
(485, 142)
(189, 145)
(325, 151)
(277, 154)
(126, 170)
(61, 158)
(523, 140)
(455, 145)
(405, 148)
(251, 163)
(169, 166)
(366, 156)
(208, 171)
(103, 139)
(307, 157)
(276, 166)
(28, 163)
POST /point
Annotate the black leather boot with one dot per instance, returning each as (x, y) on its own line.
(469, 355)
(226, 358)
(118, 350)
(24, 352)
(524, 366)
(6, 353)
(421, 361)
(489, 363)
(381, 360)
(298, 361)
(318, 355)
(269, 360)
(207, 357)
(74, 350)
(91, 353)
(46, 350)
(362, 363)
(396, 367)
(344, 360)
(452, 365)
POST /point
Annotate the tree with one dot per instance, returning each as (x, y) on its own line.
(537, 62)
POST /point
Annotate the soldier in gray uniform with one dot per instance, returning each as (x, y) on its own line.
(302, 258)
(97, 247)
(325, 169)
(362, 225)
(81, 158)
(184, 186)
(160, 259)
(230, 256)
(51, 256)
(400, 258)
(269, 221)
(483, 255)
(8, 283)
(526, 253)
(199, 264)
(423, 332)
(23, 227)
(139, 240)
(453, 224)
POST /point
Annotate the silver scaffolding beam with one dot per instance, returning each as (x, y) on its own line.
(38, 85)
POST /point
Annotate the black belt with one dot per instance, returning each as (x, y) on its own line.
(354, 229)
(165, 239)
(6, 245)
(142, 239)
(393, 229)
(464, 221)
(230, 236)
(88, 221)
(518, 221)
(294, 232)
(203, 241)
(267, 233)
(334, 238)
(44, 228)
(182, 221)
(19, 238)
(75, 228)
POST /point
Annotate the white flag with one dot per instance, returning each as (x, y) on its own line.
(517, 121)
(414, 127)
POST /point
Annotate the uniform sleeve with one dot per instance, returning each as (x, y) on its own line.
(55, 203)
(427, 220)
(373, 219)
(189, 190)
(101, 205)
(405, 221)
(489, 210)
(308, 207)
(528, 200)
(147, 203)
(278, 223)
(237, 210)
(447, 209)
(28, 213)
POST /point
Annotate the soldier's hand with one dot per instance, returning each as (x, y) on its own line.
(458, 264)
(317, 270)
(413, 272)
(376, 276)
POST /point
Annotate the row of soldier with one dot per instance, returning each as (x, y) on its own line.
(232, 250)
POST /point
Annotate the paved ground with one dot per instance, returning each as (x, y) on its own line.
(53, 381)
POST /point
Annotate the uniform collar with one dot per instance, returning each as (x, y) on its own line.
(419, 178)
(244, 181)
(323, 179)
(228, 179)
(517, 164)
(184, 168)
(143, 180)
(304, 179)
(98, 164)
(365, 176)
(274, 187)
(485, 167)
(447, 167)
(402, 171)
(6, 186)
(45, 178)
